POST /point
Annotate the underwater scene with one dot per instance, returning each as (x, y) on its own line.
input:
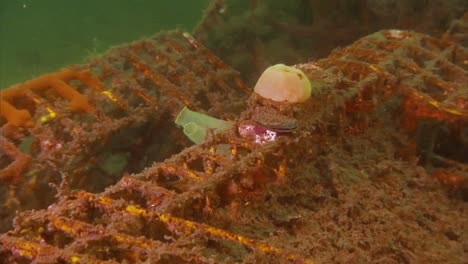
(234, 131)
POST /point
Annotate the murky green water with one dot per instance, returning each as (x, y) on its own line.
(42, 36)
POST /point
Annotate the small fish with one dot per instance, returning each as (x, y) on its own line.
(280, 128)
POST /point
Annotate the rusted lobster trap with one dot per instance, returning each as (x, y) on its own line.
(230, 198)
(119, 108)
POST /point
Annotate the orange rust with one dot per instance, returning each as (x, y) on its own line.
(171, 169)
(184, 210)
(353, 61)
(216, 62)
(242, 85)
(360, 106)
(211, 58)
(191, 227)
(175, 46)
(139, 74)
(31, 250)
(281, 171)
(418, 105)
(451, 178)
(80, 229)
(27, 249)
(165, 85)
(146, 98)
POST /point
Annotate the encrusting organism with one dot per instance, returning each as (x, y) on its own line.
(282, 197)
(283, 83)
(119, 107)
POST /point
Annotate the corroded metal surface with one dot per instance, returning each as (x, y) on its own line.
(116, 109)
(232, 199)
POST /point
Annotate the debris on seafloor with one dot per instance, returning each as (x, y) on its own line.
(338, 182)
(112, 116)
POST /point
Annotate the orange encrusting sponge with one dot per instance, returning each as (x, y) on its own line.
(57, 81)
